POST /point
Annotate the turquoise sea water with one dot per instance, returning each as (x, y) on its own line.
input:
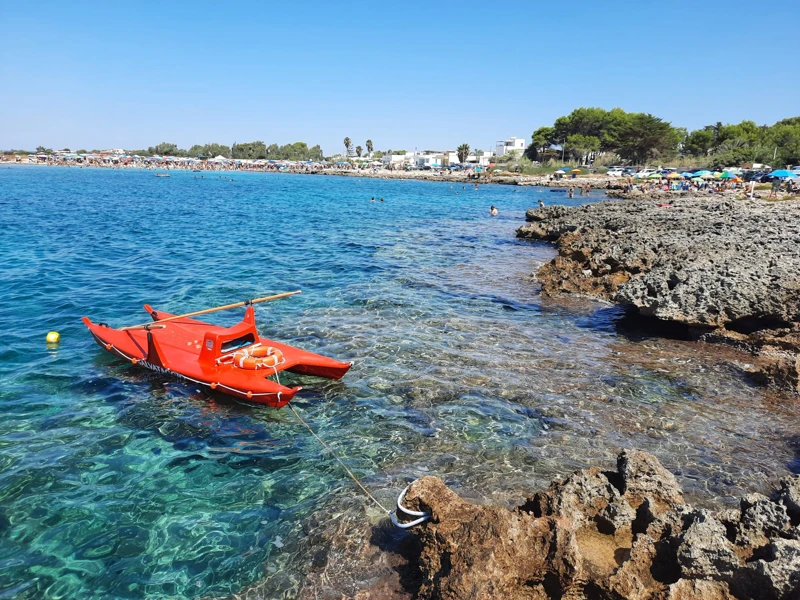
(118, 483)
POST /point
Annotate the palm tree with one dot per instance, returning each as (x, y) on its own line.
(358, 151)
(463, 153)
(369, 146)
(348, 143)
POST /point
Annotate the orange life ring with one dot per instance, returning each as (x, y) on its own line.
(260, 357)
(244, 361)
(260, 351)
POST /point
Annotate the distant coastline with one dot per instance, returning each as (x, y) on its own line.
(469, 176)
(617, 187)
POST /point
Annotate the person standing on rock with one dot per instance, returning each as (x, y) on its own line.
(776, 185)
(541, 203)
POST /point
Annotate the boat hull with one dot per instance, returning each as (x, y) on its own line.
(202, 353)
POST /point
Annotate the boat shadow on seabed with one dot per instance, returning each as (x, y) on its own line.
(189, 417)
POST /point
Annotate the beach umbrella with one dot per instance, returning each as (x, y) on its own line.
(576, 170)
(728, 175)
(701, 173)
(782, 173)
(655, 176)
(707, 176)
(674, 176)
(686, 174)
(697, 180)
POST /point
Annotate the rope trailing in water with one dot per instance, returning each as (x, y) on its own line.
(423, 516)
(344, 466)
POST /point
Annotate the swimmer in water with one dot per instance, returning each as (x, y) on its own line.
(493, 211)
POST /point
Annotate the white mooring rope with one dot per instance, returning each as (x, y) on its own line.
(422, 516)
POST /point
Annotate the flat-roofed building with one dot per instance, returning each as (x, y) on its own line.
(512, 144)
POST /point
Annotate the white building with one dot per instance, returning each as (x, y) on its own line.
(430, 159)
(436, 159)
(450, 157)
(514, 144)
(478, 157)
(482, 157)
(393, 160)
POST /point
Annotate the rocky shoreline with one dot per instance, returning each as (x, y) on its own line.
(597, 183)
(618, 534)
(608, 535)
(715, 268)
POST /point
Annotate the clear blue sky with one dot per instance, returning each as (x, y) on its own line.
(131, 74)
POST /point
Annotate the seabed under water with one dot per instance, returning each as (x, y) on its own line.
(117, 482)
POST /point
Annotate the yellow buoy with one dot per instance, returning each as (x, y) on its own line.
(53, 337)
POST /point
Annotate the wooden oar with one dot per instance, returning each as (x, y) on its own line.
(211, 310)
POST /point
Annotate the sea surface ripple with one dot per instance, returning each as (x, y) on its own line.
(119, 483)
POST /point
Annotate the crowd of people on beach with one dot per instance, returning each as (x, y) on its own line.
(163, 165)
(667, 185)
(168, 163)
(172, 164)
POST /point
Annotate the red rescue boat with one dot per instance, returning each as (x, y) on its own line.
(232, 360)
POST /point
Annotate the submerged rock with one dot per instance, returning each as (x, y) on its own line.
(728, 269)
(624, 534)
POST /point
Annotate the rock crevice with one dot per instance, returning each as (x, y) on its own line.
(625, 534)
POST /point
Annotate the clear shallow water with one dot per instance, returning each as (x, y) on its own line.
(115, 482)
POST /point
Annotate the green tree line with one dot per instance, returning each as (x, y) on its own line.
(641, 137)
(251, 150)
(258, 149)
